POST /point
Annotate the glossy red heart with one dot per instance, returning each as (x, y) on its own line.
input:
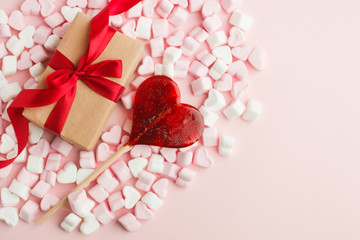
(160, 119)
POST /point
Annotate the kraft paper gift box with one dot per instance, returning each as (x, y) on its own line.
(89, 111)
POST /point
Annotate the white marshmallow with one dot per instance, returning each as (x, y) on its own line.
(201, 85)
(8, 199)
(7, 143)
(210, 137)
(136, 165)
(156, 163)
(26, 35)
(20, 189)
(19, 159)
(15, 45)
(3, 17)
(86, 208)
(158, 69)
(171, 55)
(36, 70)
(68, 174)
(210, 117)
(168, 70)
(10, 215)
(218, 69)
(143, 28)
(234, 110)
(131, 195)
(226, 145)
(70, 222)
(51, 43)
(152, 200)
(241, 20)
(5, 115)
(82, 174)
(253, 110)
(215, 100)
(223, 53)
(35, 164)
(90, 224)
(9, 91)
(9, 66)
(217, 39)
(35, 133)
(3, 80)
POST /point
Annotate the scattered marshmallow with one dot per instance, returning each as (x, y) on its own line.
(241, 20)
(19, 189)
(217, 39)
(9, 215)
(198, 69)
(121, 171)
(206, 58)
(257, 59)
(70, 222)
(129, 222)
(5, 171)
(142, 212)
(201, 85)
(135, 11)
(48, 201)
(253, 110)
(164, 8)
(160, 187)
(82, 174)
(223, 53)
(128, 99)
(29, 211)
(41, 34)
(8, 199)
(69, 13)
(53, 162)
(36, 70)
(35, 164)
(9, 66)
(152, 200)
(210, 137)
(171, 55)
(49, 177)
(116, 201)
(103, 214)
(136, 165)
(61, 146)
(5, 30)
(190, 46)
(210, 117)
(170, 170)
(230, 5)
(3, 17)
(107, 181)
(212, 23)
(157, 47)
(131, 195)
(54, 20)
(40, 189)
(16, 20)
(98, 193)
(156, 163)
(143, 28)
(26, 35)
(202, 158)
(215, 100)
(185, 158)
(89, 225)
(140, 151)
(199, 34)
(145, 181)
(185, 178)
(52, 43)
(160, 28)
(218, 69)
(181, 69)
(68, 174)
(113, 136)
(234, 110)
(9, 91)
(195, 5)
(87, 159)
(178, 16)
(226, 145)
(239, 69)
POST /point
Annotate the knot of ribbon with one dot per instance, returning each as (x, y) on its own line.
(61, 84)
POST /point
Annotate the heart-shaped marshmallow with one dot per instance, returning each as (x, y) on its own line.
(223, 53)
(8, 199)
(140, 151)
(68, 174)
(35, 133)
(60, 31)
(215, 101)
(176, 39)
(142, 212)
(181, 3)
(160, 187)
(47, 7)
(7, 143)
(16, 20)
(257, 59)
(147, 66)
(42, 148)
(131, 195)
(103, 152)
(239, 69)
(242, 52)
(90, 224)
(129, 29)
(24, 61)
(236, 37)
(9, 215)
(77, 3)
(210, 8)
(27, 36)
(238, 88)
(136, 165)
(113, 136)
(30, 7)
(202, 158)
(48, 201)
(224, 84)
(4, 172)
(70, 13)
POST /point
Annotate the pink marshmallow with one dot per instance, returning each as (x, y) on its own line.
(121, 171)
(61, 146)
(160, 28)
(242, 52)
(164, 8)
(160, 187)
(87, 159)
(98, 193)
(29, 211)
(206, 58)
(239, 69)
(47, 7)
(210, 137)
(169, 153)
(3, 51)
(230, 5)
(148, 7)
(157, 47)
(145, 181)
(30, 84)
(26, 177)
(170, 170)
(187, 174)
(190, 46)
(29, 7)
(128, 100)
(184, 158)
(41, 148)
(4, 172)
(77, 200)
(116, 201)
(60, 31)
(140, 151)
(41, 34)
(201, 85)
(54, 20)
(103, 214)
(181, 69)
(48, 177)
(38, 54)
(5, 30)
(97, 3)
(182, 183)
(135, 11)
(53, 162)
(142, 212)
(116, 21)
(107, 181)
(178, 16)
(198, 69)
(199, 34)
(211, 24)
(139, 79)
(129, 222)
(195, 5)
(155, 149)
(40, 189)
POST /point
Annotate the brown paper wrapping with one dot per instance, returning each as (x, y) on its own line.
(89, 111)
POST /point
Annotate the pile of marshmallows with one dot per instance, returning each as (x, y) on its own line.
(215, 68)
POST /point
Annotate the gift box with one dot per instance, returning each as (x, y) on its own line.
(89, 111)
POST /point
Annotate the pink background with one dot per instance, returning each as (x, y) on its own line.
(296, 171)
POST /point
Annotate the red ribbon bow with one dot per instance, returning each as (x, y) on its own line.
(61, 84)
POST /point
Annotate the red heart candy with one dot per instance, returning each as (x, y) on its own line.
(160, 119)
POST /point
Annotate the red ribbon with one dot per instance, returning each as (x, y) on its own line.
(61, 84)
